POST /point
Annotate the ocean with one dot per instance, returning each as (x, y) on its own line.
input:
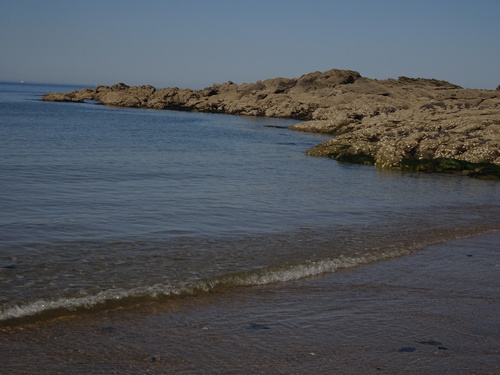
(107, 209)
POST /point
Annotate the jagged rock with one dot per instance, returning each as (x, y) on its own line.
(404, 123)
(126, 96)
(73, 96)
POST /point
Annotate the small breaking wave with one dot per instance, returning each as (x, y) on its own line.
(114, 298)
(15, 314)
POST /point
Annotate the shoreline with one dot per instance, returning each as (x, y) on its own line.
(412, 124)
(434, 311)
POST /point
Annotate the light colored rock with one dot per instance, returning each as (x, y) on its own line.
(399, 123)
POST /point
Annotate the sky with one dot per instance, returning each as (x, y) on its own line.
(195, 43)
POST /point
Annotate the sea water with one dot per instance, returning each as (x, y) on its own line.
(104, 207)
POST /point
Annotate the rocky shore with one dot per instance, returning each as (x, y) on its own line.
(405, 124)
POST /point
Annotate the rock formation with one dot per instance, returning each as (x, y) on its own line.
(404, 123)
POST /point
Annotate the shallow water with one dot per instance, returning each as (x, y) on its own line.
(109, 207)
(433, 312)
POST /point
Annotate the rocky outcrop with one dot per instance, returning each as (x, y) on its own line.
(278, 97)
(452, 130)
(404, 123)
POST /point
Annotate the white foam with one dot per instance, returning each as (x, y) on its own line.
(258, 277)
(300, 271)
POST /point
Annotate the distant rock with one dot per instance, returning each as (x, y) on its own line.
(405, 123)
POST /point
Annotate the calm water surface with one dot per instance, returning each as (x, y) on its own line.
(104, 206)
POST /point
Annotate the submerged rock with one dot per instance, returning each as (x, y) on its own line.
(408, 349)
(257, 326)
(406, 123)
(107, 330)
(430, 342)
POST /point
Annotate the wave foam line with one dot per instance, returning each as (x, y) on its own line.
(120, 297)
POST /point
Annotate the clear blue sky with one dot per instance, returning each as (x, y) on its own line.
(194, 43)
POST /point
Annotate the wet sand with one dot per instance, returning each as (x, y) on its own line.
(433, 312)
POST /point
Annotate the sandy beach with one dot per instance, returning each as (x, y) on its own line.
(433, 312)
